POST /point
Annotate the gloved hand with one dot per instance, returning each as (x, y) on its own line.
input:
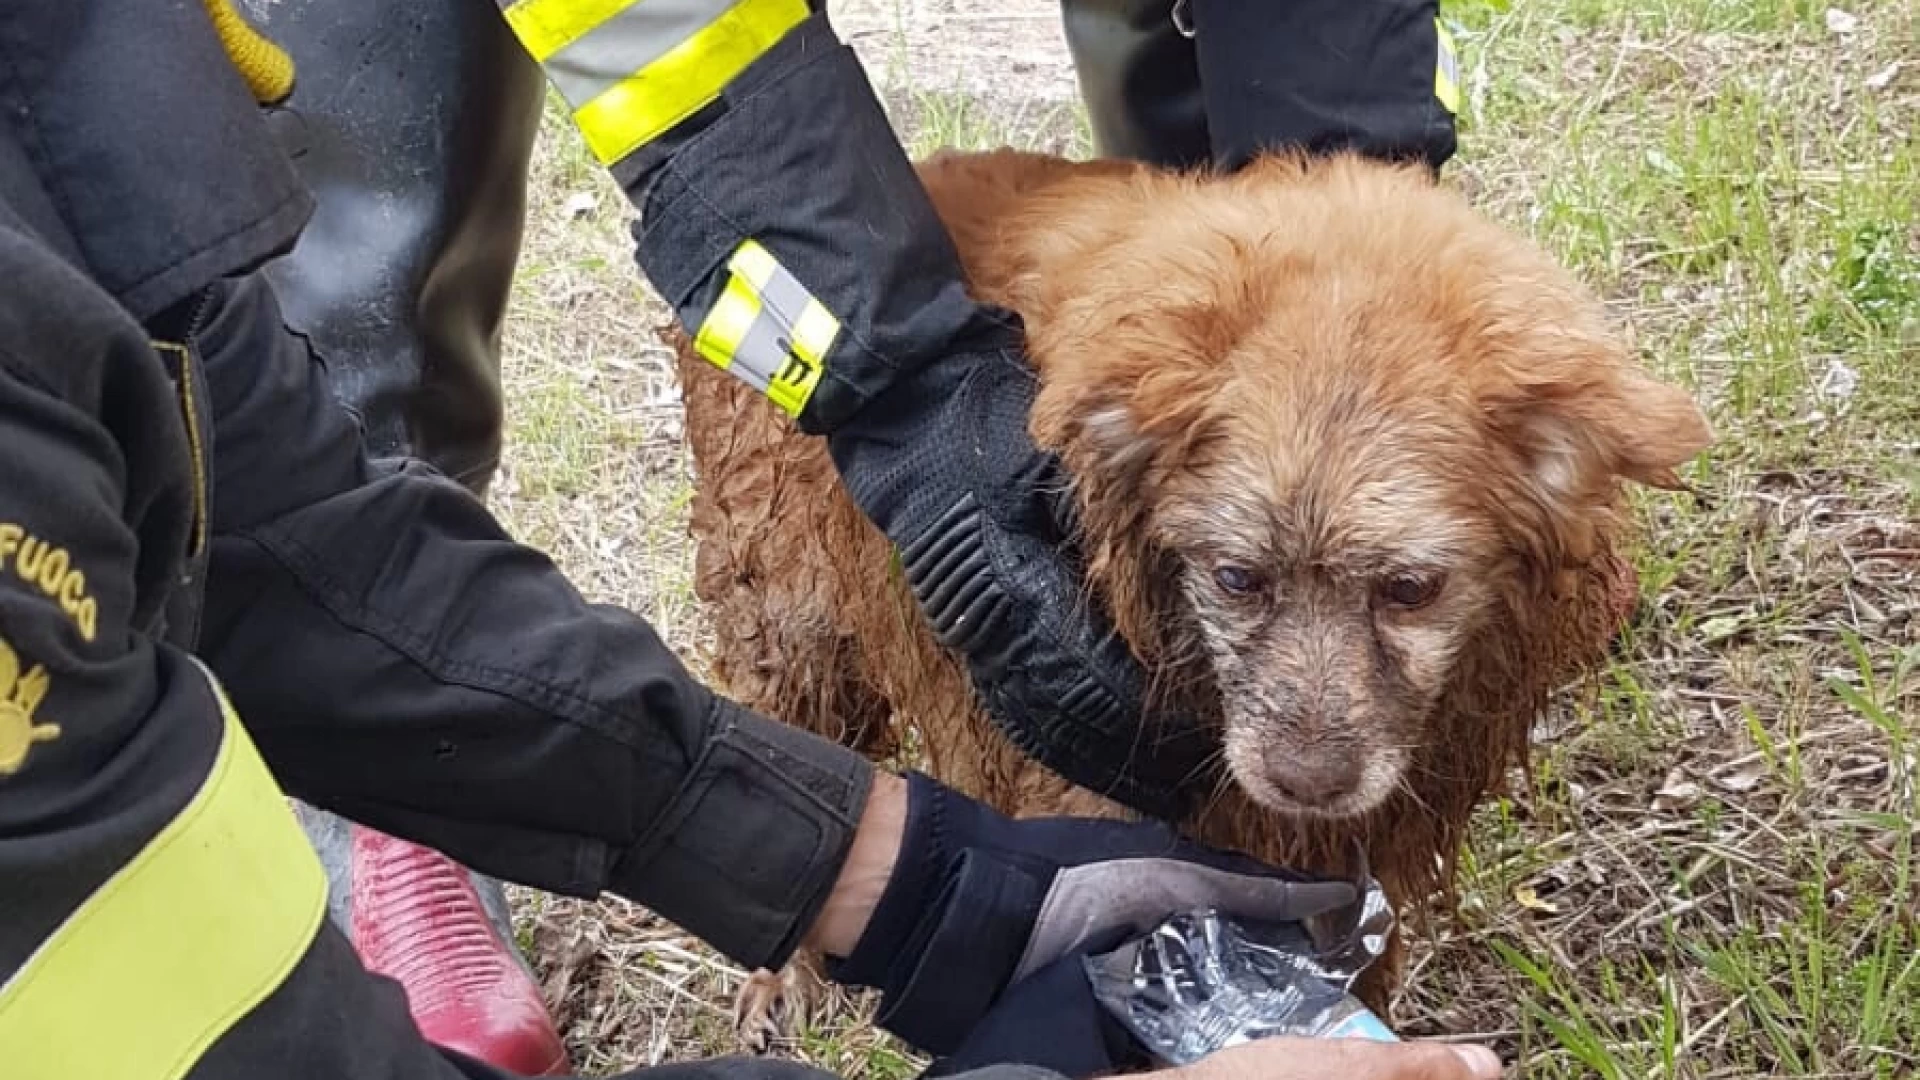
(978, 901)
(1079, 1044)
(983, 521)
(782, 220)
(1050, 1020)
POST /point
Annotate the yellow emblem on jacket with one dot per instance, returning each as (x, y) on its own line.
(20, 695)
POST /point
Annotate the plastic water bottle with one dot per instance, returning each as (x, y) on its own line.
(1200, 982)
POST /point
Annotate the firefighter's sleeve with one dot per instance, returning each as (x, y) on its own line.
(406, 663)
(782, 220)
(162, 916)
(1378, 77)
(778, 213)
(161, 913)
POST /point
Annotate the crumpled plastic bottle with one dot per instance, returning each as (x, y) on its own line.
(1200, 982)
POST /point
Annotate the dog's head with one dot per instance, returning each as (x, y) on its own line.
(1332, 429)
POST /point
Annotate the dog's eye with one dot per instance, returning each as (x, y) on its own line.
(1237, 580)
(1411, 590)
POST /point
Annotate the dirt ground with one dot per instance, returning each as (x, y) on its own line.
(1711, 870)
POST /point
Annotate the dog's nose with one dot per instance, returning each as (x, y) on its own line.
(1312, 780)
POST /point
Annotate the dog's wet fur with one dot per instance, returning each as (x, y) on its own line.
(1349, 459)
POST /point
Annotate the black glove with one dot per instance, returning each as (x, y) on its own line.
(793, 188)
(983, 522)
(1051, 1020)
(978, 901)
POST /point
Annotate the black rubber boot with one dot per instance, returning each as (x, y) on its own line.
(413, 124)
(1139, 79)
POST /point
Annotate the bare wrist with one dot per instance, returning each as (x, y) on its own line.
(869, 865)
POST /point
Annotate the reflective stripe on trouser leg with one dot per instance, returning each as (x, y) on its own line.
(768, 329)
(632, 69)
(174, 949)
(1446, 70)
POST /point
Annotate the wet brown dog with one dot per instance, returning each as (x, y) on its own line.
(1350, 462)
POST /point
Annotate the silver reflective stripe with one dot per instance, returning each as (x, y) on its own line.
(1449, 64)
(627, 43)
(767, 329)
(762, 352)
(785, 295)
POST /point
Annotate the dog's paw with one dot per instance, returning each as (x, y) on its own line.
(767, 1007)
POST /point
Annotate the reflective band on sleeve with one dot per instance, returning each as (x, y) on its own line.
(544, 27)
(199, 928)
(1446, 70)
(768, 329)
(632, 69)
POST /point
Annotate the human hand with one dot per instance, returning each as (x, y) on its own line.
(945, 466)
(1055, 1022)
(975, 901)
(1339, 1059)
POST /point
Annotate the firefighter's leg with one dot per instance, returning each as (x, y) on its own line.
(1138, 79)
(1376, 78)
(413, 125)
(1184, 82)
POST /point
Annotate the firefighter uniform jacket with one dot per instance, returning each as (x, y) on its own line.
(209, 597)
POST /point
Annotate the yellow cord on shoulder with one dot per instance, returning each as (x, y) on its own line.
(265, 66)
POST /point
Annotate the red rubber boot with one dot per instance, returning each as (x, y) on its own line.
(418, 920)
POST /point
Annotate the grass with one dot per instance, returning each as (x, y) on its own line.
(1711, 870)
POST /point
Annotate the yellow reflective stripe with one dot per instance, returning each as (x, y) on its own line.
(1446, 70)
(727, 324)
(768, 329)
(684, 79)
(544, 27)
(205, 922)
(754, 263)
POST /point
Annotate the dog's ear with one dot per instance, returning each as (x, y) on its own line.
(1131, 390)
(1580, 412)
(1125, 427)
(1648, 427)
(1126, 415)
